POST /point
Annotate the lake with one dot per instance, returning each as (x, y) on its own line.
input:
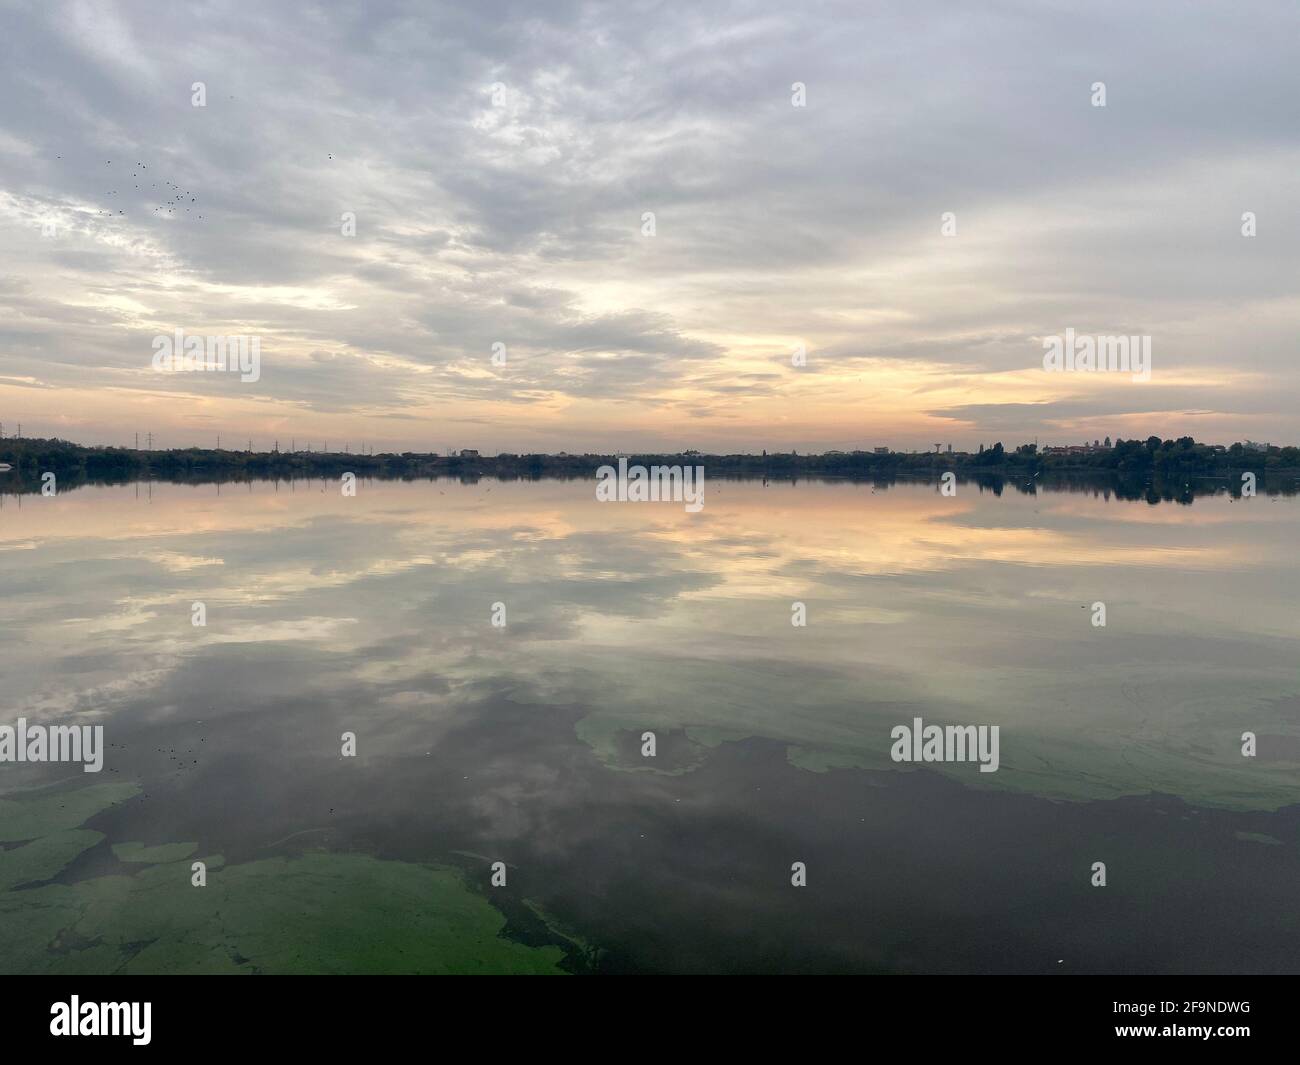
(503, 654)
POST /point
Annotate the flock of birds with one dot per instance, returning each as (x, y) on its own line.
(177, 198)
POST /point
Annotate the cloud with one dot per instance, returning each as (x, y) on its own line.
(498, 161)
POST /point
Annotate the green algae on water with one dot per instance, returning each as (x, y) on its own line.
(319, 912)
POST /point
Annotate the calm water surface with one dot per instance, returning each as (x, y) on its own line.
(477, 744)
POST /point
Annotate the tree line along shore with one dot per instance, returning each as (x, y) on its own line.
(1129, 459)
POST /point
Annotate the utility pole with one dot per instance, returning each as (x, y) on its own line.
(150, 441)
(137, 441)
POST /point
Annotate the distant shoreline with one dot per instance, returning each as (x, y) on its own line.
(1135, 465)
(1131, 456)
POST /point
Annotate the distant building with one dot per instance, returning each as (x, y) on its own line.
(468, 453)
(881, 450)
(1078, 449)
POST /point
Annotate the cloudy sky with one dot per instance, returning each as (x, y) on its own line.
(499, 159)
